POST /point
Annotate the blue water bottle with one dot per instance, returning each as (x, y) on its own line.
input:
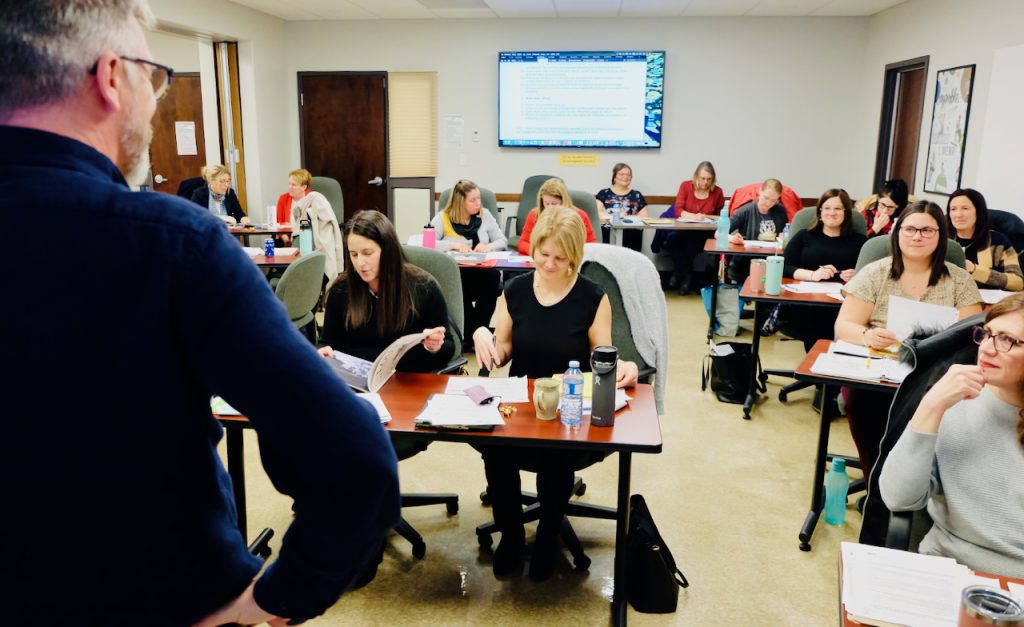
(722, 232)
(837, 485)
(572, 395)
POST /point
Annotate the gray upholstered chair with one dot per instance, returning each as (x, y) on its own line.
(803, 219)
(879, 247)
(446, 272)
(527, 201)
(299, 290)
(622, 335)
(588, 203)
(487, 198)
(331, 190)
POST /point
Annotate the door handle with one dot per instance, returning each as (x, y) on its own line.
(378, 181)
(159, 179)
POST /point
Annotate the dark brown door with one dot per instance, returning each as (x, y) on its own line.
(903, 94)
(184, 103)
(344, 133)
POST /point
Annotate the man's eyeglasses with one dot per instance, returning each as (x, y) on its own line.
(161, 76)
(1002, 342)
(926, 232)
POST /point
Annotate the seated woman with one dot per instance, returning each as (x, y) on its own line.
(763, 219)
(314, 206)
(991, 259)
(464, 218)
(629, 202)
(879, 210)
(962, 455)
(545, 319)
(380, 297)
(917, 270)
(552, 192)
(825, 251)
(298, 188)
(217, 195)
(698, 198)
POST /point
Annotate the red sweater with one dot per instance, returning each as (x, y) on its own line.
(284, 208)
(531, 220)
(686, 201)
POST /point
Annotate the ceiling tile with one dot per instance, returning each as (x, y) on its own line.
(463, 13)
(785, 8)
(653, 8)
(523, 8)
(719, 8)
(846, 8)
(587, 8)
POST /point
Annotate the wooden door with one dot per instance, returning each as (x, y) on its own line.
(344, 133)
(184, 103)
(906, 131)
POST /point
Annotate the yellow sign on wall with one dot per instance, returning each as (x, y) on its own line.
(579, 159)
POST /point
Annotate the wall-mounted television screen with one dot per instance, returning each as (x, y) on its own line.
(581, 99)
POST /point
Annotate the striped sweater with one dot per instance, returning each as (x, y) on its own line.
(996, 266)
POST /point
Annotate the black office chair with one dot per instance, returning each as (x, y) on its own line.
(931, 357)
(187, 187)
(1010, 225)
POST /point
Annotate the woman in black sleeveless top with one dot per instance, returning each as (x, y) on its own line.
(544, 320)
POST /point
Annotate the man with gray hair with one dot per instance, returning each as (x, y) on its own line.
(126, 312)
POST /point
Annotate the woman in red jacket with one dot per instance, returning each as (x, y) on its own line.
(552, 193)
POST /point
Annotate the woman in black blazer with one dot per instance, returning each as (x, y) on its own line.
(217, 195)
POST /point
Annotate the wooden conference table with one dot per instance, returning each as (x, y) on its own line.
(636, 430)
(242, 232)
(739, 250)
(828, 411)
(784, 297)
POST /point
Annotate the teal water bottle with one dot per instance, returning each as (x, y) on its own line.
(305, 237)
(722, 232)
(837, 485)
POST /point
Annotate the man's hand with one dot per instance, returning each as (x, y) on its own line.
(242, 610)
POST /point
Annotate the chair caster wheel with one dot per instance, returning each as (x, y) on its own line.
(485, 540)
(485, 498)
(805, 547)
(419, 550)
(580, 491)
(453, 508)
(582, 563)
(783, 396)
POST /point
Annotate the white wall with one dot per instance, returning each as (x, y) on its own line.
(759, 97)
(261, 54)
(951, 33)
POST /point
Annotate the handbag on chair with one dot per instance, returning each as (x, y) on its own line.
(654, 579)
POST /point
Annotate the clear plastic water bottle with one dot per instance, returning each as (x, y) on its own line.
(616, 211)
(785, 235)
(572, 395)
(837, 485)
(722, 232)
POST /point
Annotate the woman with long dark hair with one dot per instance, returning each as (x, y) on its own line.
(991, 259)
(917, 270)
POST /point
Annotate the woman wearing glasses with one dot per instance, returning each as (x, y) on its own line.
(962, 455)
(991, 259)
(880, 210)
(217, 195)
(916, 270)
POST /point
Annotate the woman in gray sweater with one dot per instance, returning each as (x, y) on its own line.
(962, 455)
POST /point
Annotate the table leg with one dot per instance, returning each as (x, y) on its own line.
(621, 526)
(755, 346)
(714, 298)
(616, 236)
(236, 468)
(818, 482)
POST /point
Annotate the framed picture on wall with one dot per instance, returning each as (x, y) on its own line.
(948, 136)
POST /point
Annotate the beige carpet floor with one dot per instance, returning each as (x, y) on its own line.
(729, 496)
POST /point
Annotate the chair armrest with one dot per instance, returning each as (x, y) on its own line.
(509, 222)
(453, 366)
(646, 374)
(898, 534)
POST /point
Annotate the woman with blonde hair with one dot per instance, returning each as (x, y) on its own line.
(552, 192)
(464, 225)
(217, 195)
(545, 319)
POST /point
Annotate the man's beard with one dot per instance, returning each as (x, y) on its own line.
(135, 140)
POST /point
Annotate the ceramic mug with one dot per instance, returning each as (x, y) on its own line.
(545, 397)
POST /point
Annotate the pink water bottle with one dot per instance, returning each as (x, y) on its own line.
(429, 237)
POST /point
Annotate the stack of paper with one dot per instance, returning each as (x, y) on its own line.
(700, 221)
(520, 259)
(378, 404)
(861, 368)
(656, 221)
(814, 287)
(251, 251)
(510, 389)
(898, 587)
(457, 411)
(756, 243)
(991, 297)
